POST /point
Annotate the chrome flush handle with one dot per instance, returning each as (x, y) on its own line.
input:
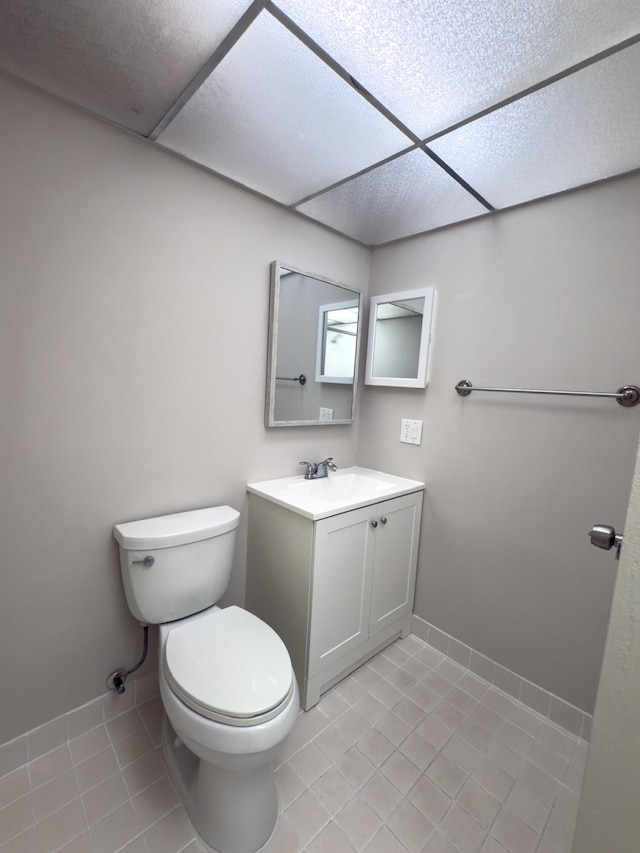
(147, 562)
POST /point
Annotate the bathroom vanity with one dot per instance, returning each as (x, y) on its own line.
(331, 566)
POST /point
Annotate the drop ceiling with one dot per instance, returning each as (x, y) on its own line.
(378, 118)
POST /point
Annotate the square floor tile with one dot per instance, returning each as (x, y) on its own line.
(170, 833)
(525, 805)
(513, 833)
(410, 826)
(309, 763)
(62, 826)
(479, 803)
(355, 767)
(358, 822)
(464, 832)
(380, 795)
(51, 796)
(410, 753)
(429, 799)
(289, 786)
(331, 839)
(13, 786)
(384, 841)
(375, 746)
(446, 775)
(333, 791)
(400, 772)
(393, 728)
(307, 816)
(418, 750)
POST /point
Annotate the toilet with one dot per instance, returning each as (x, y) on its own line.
(226, 681)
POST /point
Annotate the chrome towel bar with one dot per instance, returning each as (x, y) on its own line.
(628, 395)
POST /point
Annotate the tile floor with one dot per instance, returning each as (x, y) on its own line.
(410, 753)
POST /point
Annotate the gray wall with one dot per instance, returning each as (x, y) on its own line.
(133, 335)
(608, 818)
(542, 296)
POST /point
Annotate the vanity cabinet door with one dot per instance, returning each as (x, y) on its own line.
(396, 559)
(341, 586)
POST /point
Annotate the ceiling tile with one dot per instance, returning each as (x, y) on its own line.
(581, 129)
(274, 117)
(405, 196)
(277, 119)
(435, 63)
(126, 60)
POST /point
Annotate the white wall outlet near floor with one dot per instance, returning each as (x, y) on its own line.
(411, 431)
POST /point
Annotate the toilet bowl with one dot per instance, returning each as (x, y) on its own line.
(230, 699)
(226, 681)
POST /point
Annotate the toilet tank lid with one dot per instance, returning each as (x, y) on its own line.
(180, 528)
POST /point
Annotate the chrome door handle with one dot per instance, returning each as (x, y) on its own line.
(604, 536)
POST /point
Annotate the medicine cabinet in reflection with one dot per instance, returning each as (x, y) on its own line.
(314, 339)
(400, 326)
(337, 337)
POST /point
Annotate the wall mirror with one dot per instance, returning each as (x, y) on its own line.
(400, 326)
(312, 364)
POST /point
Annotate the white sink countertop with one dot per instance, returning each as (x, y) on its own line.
(340, 491)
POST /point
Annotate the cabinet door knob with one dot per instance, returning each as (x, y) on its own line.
(374, 523)
(383, 520)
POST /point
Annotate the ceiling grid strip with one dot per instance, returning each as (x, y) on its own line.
(359, 174)
(209, 66)
(300, 34)
(548, 81)
(269, 6)
(579, 66)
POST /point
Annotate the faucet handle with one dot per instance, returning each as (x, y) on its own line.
(329, 464)
(310, 467)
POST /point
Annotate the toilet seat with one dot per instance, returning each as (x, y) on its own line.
(229, 666)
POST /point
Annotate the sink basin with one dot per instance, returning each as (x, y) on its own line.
(341, 491)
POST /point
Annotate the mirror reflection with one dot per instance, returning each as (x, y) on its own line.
(337, 336)
(313, 349)
(399, 338)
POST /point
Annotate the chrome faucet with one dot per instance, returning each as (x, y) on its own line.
(316, 470)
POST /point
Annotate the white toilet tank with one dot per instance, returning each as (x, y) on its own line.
(176, 565)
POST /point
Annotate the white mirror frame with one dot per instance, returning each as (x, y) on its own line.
(322, 343)
(421, 380)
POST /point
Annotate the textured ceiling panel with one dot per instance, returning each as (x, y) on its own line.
(408, 195)
(435, 63)
(277, 119)
(584, 128)
(126, 60)
(274, 117)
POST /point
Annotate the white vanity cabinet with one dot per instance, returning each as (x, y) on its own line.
(336, 589)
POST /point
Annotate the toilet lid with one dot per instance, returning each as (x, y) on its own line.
(229, 665)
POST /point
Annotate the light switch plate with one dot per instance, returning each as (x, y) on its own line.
(411, 431)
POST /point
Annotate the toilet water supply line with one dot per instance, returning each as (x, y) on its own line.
(117, 679)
